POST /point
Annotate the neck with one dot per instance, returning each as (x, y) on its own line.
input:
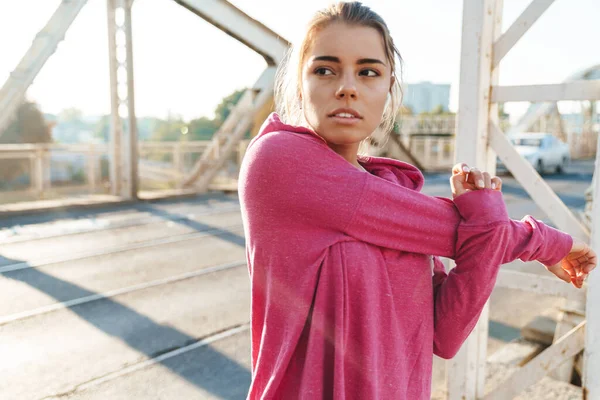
(349, 152)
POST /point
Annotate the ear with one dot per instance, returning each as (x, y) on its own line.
(392, 81)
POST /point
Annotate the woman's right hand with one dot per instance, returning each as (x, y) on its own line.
(465, 179)
(576, 266)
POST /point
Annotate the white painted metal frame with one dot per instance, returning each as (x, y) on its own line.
(577, 90)
(482, 21)
(591, 378)
(241, 27)
(44, 45)
(540, 285)
(566, 347)
(262, 40)
(123, 132)
(479, 135)
(535, 186)
(507, 40)
(123, 126)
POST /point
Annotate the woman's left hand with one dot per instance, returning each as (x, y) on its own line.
(576, 266)
(465, 179)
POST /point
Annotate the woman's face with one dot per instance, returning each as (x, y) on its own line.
(346, 78)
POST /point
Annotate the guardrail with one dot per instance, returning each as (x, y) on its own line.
(84, 167)
(437, 153)
(164, 164)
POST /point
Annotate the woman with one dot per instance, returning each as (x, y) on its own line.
(349, 297)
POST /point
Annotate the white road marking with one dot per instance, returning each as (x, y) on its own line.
(147, 363)
(98, 225)
(118, 249)
(112, 293)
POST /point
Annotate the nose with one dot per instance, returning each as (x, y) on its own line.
(347, 89)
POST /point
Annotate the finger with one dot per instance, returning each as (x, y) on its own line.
(487, 180)
(460, 168)
(497, 183)
(592, 262)
(557, 270)
(456, 184)
(579, 281)
(582, 257)
(570, 267)
(476, 178)
(459, 186)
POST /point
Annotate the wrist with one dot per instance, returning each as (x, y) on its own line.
(481, 207)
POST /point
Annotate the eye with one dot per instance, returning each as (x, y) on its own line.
(323, 71)
(369, 73)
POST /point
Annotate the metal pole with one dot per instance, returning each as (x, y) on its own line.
(115, 121)
(482, 21)
(132, 137)
(123, 135)
(591, 372)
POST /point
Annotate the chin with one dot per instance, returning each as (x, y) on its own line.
(344, 135)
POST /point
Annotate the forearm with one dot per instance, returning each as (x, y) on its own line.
(460, 295)
(485, 243)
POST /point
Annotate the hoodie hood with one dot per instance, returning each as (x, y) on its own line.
(389, 169)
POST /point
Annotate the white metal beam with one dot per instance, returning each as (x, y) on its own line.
(240, 26)
(591, 383)
(482, 21)
(539, 284)
(123, 132)
(536, 187)
(566, 347)
(576, 90)
(475, 78)
(518, 28)
(537, 110)
(44, 45)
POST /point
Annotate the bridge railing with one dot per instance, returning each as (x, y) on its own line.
(28, 170)
(436, 153)
(48, 170)
(54, 170)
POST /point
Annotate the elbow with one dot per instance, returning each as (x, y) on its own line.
(446, 352)
(446, 346)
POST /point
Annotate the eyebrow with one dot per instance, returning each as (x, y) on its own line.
(337, 60)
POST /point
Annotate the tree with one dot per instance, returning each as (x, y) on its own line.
(202, 128)
(29, 126)
(438, 110)
(224, 108)
(170, 130)
(102, 128)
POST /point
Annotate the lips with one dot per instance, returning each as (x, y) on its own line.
(345, 113)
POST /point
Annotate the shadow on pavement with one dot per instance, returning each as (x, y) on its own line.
(142, 334)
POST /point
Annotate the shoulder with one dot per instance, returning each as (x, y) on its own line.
(285, 150)
(282, 142)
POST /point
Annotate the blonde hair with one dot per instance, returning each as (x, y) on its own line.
(289, 73)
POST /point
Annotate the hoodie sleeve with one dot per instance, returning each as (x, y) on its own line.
(296, 181)
(482, 247)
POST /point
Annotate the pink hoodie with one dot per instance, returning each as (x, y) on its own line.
(348, 300)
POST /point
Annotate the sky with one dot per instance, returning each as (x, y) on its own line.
(185, 66)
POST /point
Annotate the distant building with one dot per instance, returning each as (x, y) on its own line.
(426, 96)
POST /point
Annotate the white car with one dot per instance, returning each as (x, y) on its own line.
(543, 150)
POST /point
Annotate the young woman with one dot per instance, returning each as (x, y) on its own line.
(349, 297)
